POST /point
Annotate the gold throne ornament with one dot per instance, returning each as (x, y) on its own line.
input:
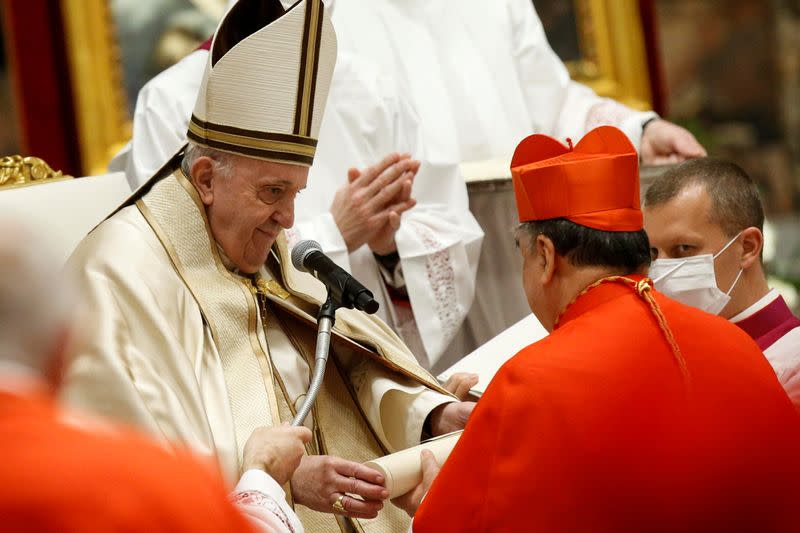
(19, 171)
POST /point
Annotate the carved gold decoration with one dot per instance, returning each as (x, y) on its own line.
(613, 59)
(94, 60)
(18, 171)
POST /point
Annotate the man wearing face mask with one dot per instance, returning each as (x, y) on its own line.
(705, 223)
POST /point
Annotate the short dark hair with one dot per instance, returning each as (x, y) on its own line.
(735, 202)
(626, 251)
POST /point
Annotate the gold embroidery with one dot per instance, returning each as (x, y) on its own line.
(273, 287)
(174, 211)
(287, 147)
(16, 170)
(643, 289)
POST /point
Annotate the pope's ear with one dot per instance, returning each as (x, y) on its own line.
(202, 174)
(752, 245)
(546, 256)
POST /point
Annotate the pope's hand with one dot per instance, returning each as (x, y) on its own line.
(460, 383)
(409, 502)
(450, 417)
(276, 450)
(367, 209)
(321, 480)
(666, 143)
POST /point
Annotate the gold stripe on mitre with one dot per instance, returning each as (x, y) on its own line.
(280, 147)
(266, 81)
(309, 65)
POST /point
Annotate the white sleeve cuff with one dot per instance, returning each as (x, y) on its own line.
(263, 502)
(632, 126)
(260, 481)
(422, 406)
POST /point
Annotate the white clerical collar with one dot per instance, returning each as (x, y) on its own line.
(764, 301)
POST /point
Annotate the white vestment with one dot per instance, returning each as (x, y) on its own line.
(150, 359)
(365, 119)
(481, 76)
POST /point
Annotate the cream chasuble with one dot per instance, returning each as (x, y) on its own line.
(178, 348)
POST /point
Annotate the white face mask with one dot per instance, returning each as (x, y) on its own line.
(692, 280)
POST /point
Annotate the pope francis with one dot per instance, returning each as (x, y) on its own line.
(203, 331)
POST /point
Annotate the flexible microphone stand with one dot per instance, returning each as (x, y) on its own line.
(325, 320)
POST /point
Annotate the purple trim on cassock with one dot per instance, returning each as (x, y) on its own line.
(205, 45)
(768, 325)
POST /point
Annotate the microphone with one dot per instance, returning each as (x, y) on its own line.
(345, 290)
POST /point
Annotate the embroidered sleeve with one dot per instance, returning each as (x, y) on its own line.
(254, 498)
(607, 112)
(442, 281)
(259, 497)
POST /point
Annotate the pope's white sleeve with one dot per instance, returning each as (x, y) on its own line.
(113, 373)
(558, 105)
(97, 378)
(395, 406)
(259, 497)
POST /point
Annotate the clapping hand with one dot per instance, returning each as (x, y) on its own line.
(367, 209)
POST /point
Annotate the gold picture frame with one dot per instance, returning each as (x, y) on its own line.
(102, 122)
(613, 56)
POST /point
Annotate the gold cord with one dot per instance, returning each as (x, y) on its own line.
(644, 289)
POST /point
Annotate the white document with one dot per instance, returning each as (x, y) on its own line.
(403, 470)
(488, 358)
(498, 169)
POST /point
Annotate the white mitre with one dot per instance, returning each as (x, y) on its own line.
(266, 81)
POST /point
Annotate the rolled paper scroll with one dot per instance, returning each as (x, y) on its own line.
(403, 470)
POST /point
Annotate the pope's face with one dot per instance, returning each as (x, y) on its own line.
(682, 227)
(248, 208)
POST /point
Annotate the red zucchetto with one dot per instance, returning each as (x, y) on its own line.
(594, 184)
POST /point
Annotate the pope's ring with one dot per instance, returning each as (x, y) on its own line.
(338, 506)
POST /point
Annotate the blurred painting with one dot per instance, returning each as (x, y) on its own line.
(560, 23)
(154, 34)
(602, 44)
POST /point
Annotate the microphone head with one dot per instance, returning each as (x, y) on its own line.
(301, 250)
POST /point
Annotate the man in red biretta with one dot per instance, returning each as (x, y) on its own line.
(637, 413)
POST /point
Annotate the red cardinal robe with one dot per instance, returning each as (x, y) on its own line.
(595, 428)
(54, 477)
